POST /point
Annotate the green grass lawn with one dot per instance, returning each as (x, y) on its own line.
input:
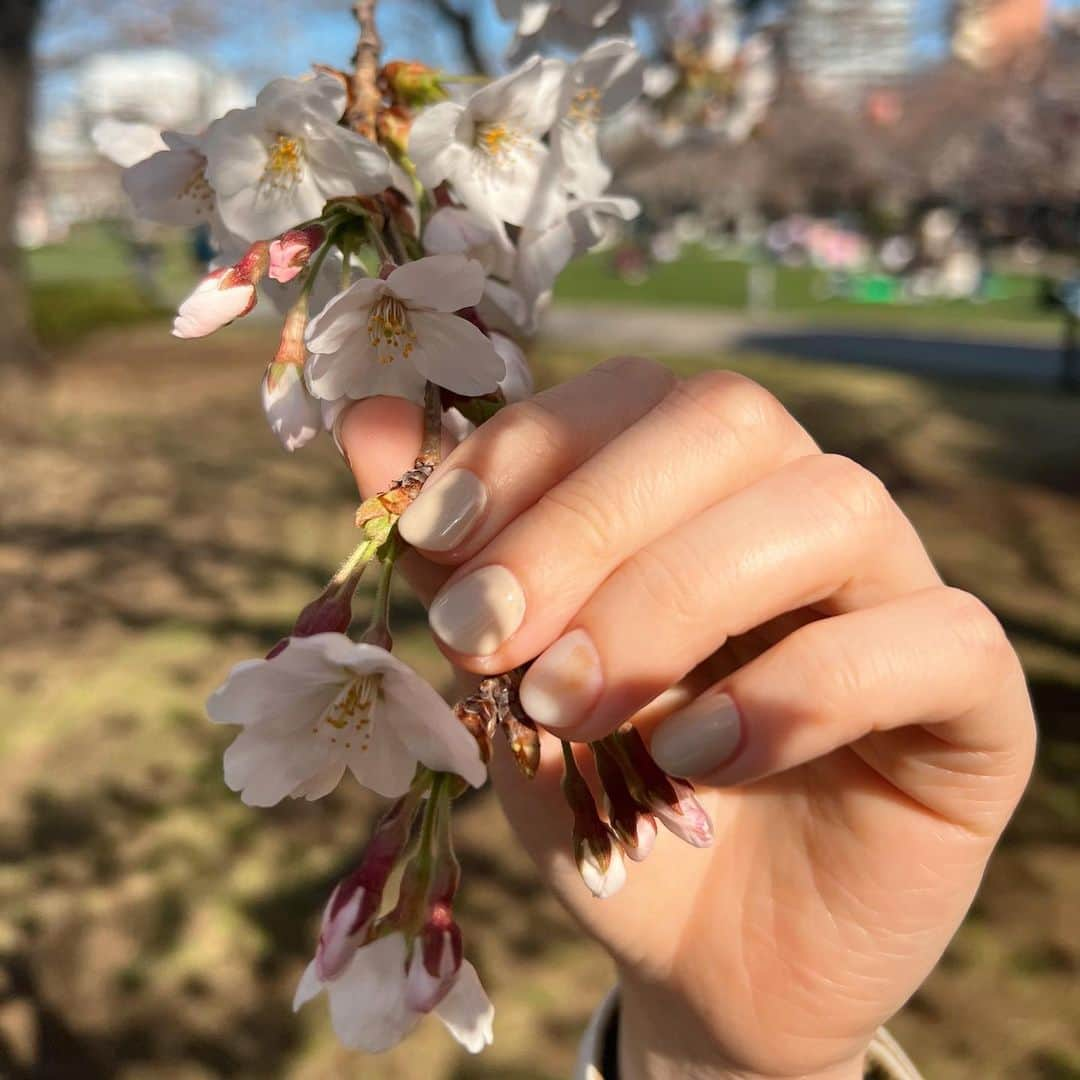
(700, 280)
(89, 282)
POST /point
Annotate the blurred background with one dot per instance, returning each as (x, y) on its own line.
(870, 206)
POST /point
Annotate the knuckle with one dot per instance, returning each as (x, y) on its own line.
(855, 490)
(636, 368)
(830, 674)
(978, 628)
(532, 429)
(576, 513)
(741, 407)
(668, 581)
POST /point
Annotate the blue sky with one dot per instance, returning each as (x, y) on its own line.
(300, 37)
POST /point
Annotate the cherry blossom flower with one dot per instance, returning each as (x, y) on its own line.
(170, 186)
(389, 336)
(516, 385)
(370, 999)
(276, 164)
(490, 148)
(601, 82)
(544, 253)
(325, 704)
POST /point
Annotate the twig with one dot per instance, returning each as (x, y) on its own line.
(364, 97)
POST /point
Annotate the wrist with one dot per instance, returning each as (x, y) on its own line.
(660, 1039)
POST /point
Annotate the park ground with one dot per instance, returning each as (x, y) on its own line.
(152, 533)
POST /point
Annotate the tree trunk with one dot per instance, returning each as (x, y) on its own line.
(18, 19)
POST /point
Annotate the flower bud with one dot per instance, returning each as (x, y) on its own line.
(598, 858)
(215, 302)
(223, 295)
(672, 800)
(392, 126)
(634, 826)
(435, 961)
(412, 83)
(355, 901)
(600, 863)
(290, 252)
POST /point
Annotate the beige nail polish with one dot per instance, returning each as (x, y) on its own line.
(561, 688)
(443, 514)
(478, 613)
(701, 738)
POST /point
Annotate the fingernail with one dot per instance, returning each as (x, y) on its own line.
(561, 688)
(442, 515)
(704, 736)
(478, 613)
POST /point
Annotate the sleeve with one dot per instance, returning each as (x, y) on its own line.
(885, 1060)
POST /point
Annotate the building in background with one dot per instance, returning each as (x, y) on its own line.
(840, 48)
(119, 104)
(994, 33)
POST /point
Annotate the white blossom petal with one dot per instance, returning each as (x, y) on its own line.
(439, 282)
(467, 1012)
(310, 986)
(343, 316)
(265, 769)
(367, 1001)
(452, 352)
(433, 146)
(295, 417)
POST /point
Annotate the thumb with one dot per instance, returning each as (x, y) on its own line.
(381, 437)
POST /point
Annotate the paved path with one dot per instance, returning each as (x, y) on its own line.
(653, 330)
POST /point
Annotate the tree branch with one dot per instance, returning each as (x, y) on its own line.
(364, 96)
(464, 25)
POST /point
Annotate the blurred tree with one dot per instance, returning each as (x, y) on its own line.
(18, 19)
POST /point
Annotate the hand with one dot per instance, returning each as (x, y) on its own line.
(859, 732)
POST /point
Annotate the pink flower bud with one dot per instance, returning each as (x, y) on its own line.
(672, 800)
(223, 295)
(215, 302)
(632, 824)
(686, 817)
(355, 901)
(435, 962)
(290, 252)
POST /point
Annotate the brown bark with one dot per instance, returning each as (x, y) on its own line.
(364, 99)
(18, 19)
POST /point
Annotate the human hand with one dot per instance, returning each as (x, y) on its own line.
(859, 732)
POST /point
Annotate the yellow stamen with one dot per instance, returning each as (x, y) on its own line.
(389, 330)
(354, 707)
(585, 107)
(496, 140)
(284, 162)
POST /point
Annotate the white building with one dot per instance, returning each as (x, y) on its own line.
(843, 47)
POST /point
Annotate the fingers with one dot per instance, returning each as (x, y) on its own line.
(818, 531)
(381, 437)
(937, 659)
(506, 465)
(710, 436)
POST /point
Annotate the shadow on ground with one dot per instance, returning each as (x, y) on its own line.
(153, 533)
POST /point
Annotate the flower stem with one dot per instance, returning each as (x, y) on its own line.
(431, 447)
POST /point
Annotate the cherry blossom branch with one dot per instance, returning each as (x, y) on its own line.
(364, 96)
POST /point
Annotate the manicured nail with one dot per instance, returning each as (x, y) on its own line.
(478, 613)
(701, 738)
(561, 688)
(443, 514)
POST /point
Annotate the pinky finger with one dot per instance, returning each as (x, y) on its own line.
(925, 689)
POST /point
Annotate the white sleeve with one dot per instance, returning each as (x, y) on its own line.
(884, 1059)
